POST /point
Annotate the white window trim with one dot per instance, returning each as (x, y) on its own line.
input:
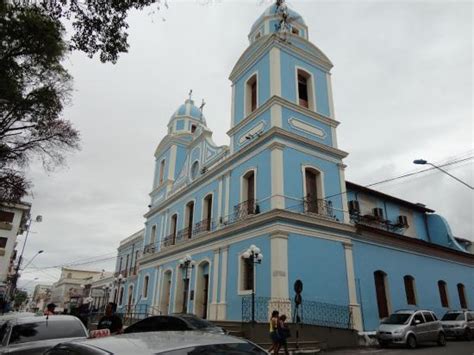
(242, 178)
(191, 170)
(311, 89)
(198, 264)
(184, 224)
(153, 240)
(161, 174)
(247, 109)
(212, 205)
(240, 291)
(170, 224)
(321, 191)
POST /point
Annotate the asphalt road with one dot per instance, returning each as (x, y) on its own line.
(451, 348)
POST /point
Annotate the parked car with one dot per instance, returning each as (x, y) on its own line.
(36, 334)
(459, 324)
(170, 343)
(173, 322)
(14, 315)
(411, 327)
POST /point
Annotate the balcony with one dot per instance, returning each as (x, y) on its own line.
(168, 240)
(245, 209)
(206, 225)
(149, 248)
(318, 207)
(374, 221)
(183, 234)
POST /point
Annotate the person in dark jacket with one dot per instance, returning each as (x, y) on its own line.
(110, 320)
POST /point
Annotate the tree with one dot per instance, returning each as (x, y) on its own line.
(20, 298)
(34, 86)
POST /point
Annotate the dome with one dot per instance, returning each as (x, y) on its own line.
(188, 109)
(271, 11)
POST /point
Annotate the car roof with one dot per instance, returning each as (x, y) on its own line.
(411, 311)
(153, 342)
(41, 318)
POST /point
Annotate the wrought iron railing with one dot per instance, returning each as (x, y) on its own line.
(245, 209)
(149, 248)
(206, 225)
(377, 222)
(168, 240)
(318, 206)
(184, 234)
(308, 312)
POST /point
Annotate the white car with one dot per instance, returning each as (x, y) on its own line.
(459, 324)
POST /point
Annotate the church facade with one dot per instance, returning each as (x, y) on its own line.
(280, 187)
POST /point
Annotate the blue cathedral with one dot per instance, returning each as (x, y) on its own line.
(274, 207)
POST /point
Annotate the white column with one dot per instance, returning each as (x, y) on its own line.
(351, 286)
(277, 199)
(215, 283)
(342, 180)
(172, 162)
(156, 289)
(227, 193)
(221, 309)
(275, 116)
(275, 72)
(219, 202)
(279, 274)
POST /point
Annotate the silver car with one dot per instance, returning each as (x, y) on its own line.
(459, 324)
(411, 327)
(163, 342)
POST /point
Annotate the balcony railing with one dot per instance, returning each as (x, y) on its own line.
(318, 206)
(168, 240)
(206, 225)
(184, 234)
(245, 209)
(149, 248)
(377, 222)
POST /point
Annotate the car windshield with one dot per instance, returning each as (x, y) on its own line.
(197, 322)
(397, 318)
(453, 316)
(34, 331)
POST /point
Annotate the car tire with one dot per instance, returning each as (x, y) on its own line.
(383, 344)
(441, 339)
(468, 334)
(411, 341)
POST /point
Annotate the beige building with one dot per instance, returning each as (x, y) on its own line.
(99, 290)
(69, 289)
(41, 297)
(13, 222)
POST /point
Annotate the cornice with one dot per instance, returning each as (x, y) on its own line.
(169, 140)
(284, 103)
(274, 132)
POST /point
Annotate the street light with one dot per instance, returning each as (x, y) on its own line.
(186, 263)
(29, 262)
(424, 162)
(38, 219)
(255, 256)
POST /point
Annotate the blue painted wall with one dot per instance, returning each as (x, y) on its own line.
(287, 114)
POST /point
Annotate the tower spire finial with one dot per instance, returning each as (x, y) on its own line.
(190, 94)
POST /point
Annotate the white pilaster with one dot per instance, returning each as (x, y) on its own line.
(277, 199)
(342, 180)
(172, 162)
(232, 107)
(213, 315)
(275, 72)
(331, 100)
(351, 286)
(156, 290)
(279, 265)
(219, 201)
(221, 310)
(227, 197)
(275, 116)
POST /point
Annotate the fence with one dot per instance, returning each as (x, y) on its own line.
(309, 312)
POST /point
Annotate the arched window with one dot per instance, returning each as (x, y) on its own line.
(305, 89)
(248, 192)
(120, 264)
(313, 189)
(251, 94)
(410, 289)
(174, 222)
(462, 296)
(121, 296)
(246, 274)
(193, 128)
(207, 212)
(145, 286)
(380, 279)
(153, 234)
(162, 171)
(189, 219)
(443, 293)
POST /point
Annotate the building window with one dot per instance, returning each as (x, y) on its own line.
(251, 95)
(3, 242)
(258, 35)
(69, 275)
(462, 296)
(194, 170)
(295, 31)
(120, 264)
(145, 287)
(121, 296)
(153, 234)
(313, 190)
(248, 192)
(6, 216)
(207, 211)
(137, 254)
(305, 89)
(410, 289)
(443, 293)
(193, 128)
(189, 218)
(174, 222)
(162, 171)
(246, 283)
(380, 279)
(126, 264)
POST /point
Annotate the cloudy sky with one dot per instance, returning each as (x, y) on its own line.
(403, 89)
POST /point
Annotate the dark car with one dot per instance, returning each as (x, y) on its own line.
(169, 343)
(36, 334)
(173, 322)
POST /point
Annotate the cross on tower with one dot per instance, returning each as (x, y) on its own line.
(190, 94)
(202, 106)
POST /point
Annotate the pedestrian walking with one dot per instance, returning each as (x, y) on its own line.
(274, 333)
(283, 333)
